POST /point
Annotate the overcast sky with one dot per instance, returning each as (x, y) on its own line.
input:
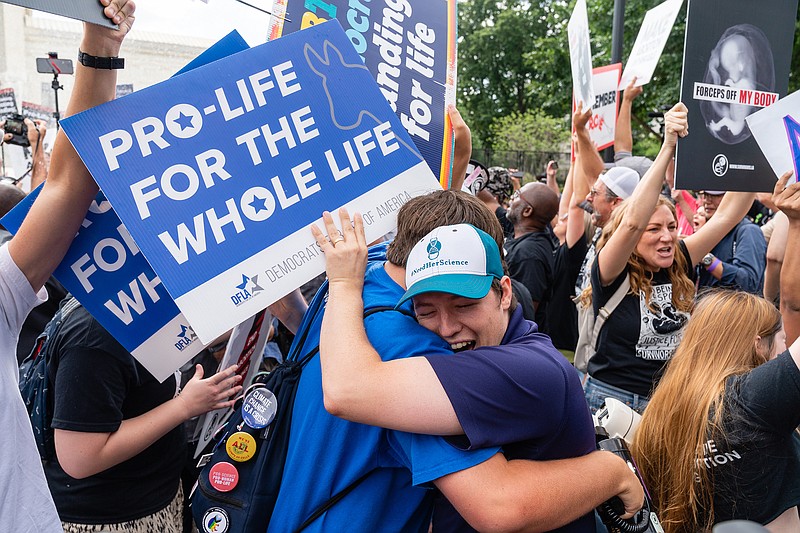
(212, 20)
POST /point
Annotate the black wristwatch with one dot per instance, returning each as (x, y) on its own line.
(707, 260)
(103, 63)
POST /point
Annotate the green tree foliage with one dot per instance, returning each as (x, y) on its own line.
(532, 130)
(494, 79)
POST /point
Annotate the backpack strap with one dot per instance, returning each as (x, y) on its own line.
(332, 501)
(604, 312)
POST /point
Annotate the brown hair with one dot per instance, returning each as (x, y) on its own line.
(687, 407)
(683, 289)
(421, 215)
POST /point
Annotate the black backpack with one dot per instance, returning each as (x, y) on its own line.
(34, 382)
(248, 507)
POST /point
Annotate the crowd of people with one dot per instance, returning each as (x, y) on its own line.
(465, 403)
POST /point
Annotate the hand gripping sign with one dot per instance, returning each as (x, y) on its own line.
(218, 173)
(409, 46)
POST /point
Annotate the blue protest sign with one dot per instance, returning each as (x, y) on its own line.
(228, 45)
(105, 270)
(218, 173)
(409, 46)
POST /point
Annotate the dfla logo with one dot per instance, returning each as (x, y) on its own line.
(247, 289)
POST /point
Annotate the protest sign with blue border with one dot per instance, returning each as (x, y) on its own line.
(410, 48)
(107, 273)
(218, 173)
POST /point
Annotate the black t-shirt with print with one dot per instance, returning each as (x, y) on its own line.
(755, 467)
(583, 279)
(96, 384)
(635, 343)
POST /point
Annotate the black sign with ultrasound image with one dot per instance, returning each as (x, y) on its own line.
(736, 61)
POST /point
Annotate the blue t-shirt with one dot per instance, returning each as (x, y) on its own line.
(326, 453)
(522, 395)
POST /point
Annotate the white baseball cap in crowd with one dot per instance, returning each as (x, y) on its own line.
(621, 181)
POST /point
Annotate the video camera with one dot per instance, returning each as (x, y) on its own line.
(614, 423)
(15, 125)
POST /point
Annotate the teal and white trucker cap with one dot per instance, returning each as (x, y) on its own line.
(458, 259)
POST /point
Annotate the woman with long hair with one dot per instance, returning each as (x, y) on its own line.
(641, 243)
(718, 440)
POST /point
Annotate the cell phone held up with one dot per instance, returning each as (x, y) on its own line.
(15, 125)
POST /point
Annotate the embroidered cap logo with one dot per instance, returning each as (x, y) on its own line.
(434, 247)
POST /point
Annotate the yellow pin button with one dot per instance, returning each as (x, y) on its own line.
(241, 446)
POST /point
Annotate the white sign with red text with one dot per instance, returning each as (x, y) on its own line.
(606, 105)
(733, 95)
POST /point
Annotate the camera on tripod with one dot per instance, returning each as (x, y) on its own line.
(15, 125)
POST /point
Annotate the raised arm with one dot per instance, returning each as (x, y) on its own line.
(462, 151)
(731, 211)
(623, 137)
(550, 174)
(788, 201)
(580, 189)
(592, 163)
(356, 383)
(775, 252)
(566, 194)
(520, 495)
(70, 189)
(36, 133)
(614, 255)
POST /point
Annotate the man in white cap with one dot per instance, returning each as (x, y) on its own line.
(611, 189)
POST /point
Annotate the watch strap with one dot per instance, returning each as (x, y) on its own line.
(102, 63)
(714, 264)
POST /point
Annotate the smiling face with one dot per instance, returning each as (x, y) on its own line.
(657, 244)
(466, 323)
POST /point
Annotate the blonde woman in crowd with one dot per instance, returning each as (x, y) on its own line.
(641, 243)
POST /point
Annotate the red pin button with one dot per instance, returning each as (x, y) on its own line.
(223, 477)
